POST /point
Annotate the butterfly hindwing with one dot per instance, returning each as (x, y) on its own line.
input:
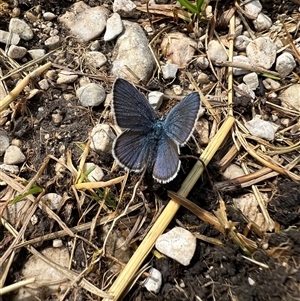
(180, 121)
(167, 162)
(131, 109)
(131, 150)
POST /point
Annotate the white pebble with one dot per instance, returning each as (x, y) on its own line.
(251, 80)
(96, 174)
(262, 23)
(216, 52)
(48, 16)
(114, 27)
(4, 142)
(169, 71)
(178, 244)
(155, 99)
(51, 200)
(96, 59)
(271, 84)
(66, 77)
(52, 42)
(253, 8)
(102, 138)
(285, 64)
(36, 53)
(21, 28)
(91, 95)
(153, 283)
(13, 155)
(16, 52)
(260, 128)
(57, 243)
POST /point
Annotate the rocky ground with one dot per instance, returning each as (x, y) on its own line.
(71, 219)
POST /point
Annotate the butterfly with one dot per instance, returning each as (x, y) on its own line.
(148, 141)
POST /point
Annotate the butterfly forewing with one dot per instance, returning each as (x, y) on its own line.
(180, 121)
(131, 109)
(167, 163)
(131, 150)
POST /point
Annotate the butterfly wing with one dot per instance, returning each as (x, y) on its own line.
(131, 150)
(131, 109)
(180, 121)
(167, 163)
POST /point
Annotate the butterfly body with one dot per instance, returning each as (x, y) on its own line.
(147, 141)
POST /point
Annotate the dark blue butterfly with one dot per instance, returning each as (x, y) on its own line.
(148, 141)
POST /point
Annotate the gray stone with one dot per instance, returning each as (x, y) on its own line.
(242, 60)
(43, 84)
(84, 22)
(260, 128)
(131, 52)
(13, 155)
(285, 64)
(52, 42)
(251, 80)
(262, 23)
(253, 8)
(16, 52)
(91, 95)
(6, 38)
(96, 59)
(13, 169)
(4, 142)
(21, 28)
(261, 52)
(66, 77)
(202, 62)
(125, 8)
(48, 16)
(36, 53)
(169, 71)
(241, 42)
(114, 27)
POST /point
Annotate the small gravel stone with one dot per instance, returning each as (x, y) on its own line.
(271, 84)
(43, 84)
(203, 78)
(261, 52)
(102, 138)
(84, 22)
(96, 58)
(125, 8)
(13, 169)
(57, 243)
(4, 142)
(246, 89)
(169, 71)
(66, 77)
(5, 37)
(95, 45)
(251, 80)
(178, 244)
(36, 53)
(285, 64)
(153, 283)
(13, 155)
(202, 128)
(262, 22)
(48, 16)
(16, 52)
(114, 27)
(253, 8)
(21, 28)
(260, 128)
(51, 200)
(233, 171)
(290, 97)
(177, 90)
(52, 42)
(202, 62)
(155, 99)
(91, 95)
(216, 52)
(178, 48)
(241, 42)
(96, 174)
(240, 59)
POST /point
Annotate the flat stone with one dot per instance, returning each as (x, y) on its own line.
(216, 52)
(5, 38)
(20, 28)
(16, 52)
(178, 244)
(13, 155)
(169, 71)
(84, 22)
(36, 53)
(114, 27)
(262, 23)
(132, 52)
(178, 48)
(91, 95)
(285, 64)
(66, 77)
(261, 52)
(125, 8)
(96, 59)
(102, 138)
